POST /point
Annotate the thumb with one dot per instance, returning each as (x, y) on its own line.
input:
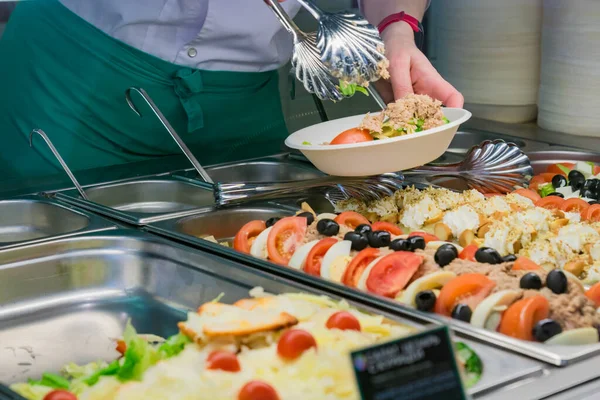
(400, 77)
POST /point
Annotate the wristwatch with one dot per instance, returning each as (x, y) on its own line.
(414, 23)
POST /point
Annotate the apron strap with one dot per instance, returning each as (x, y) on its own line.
(188, 82)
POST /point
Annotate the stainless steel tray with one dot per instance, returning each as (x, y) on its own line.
(540, 160)
(555, 355)
(32, 219)
(140, 201)
(63, 301)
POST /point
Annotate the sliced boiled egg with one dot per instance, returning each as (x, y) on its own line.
(431, 281)
(573, 337)
(435, 244)
(299, 257)
(485, 316)
(362, 282)
(326, 216)
(336, 260)
(259, 246)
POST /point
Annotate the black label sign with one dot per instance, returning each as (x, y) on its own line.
(418, 367)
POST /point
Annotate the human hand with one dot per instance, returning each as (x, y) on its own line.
(411, 71)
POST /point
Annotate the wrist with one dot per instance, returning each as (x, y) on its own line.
(398, 31)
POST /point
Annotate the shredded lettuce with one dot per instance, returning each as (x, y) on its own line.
(51, 380)
(31, 392)
(473, 366)
(349, 89)
(564, 168)
(306, 143)
(546, 189)
(446, 120)
(139, 356)
(110, 369)
(174, 345)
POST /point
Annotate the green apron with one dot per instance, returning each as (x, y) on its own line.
(66, 77)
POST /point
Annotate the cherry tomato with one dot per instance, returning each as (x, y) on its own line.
(357, 266)
(391, 274)
(575, 205)
(550, 202)
(596, 169)
(540, 180)
(223, 360)
(353, 135)
(469, 289)
(555, 169)
(351, 219)
(245, 236)
(293, 343)
(520, 318)
(285, 236)
(427, 236)
(528, 193)
(525, 264)
(593, 294)
(60, 395)
(121, 346)
(468, 253)
(592, 213)
(312, 266)
(393, 229)
(257, 390)
(344, 321)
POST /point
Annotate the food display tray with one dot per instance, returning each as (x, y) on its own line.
(64, 301)
(540, 160)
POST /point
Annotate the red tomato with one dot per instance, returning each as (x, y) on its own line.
(592, 213)
(223, 360)
(468, 253)
(351, 219)
(540, 179)
(593, 294)
(60, 395)
(391, 274)
(596, 169)
(575, 205)
(469, 289)
(245, 236)
(293, 343)
(357, 266)
(554, 168)
(550, 202)
(427, 236)
(353, 135)
(121, 346)
(530, 194)
(284, 237)
(344, 321)
(257, 390)
(525, 264)
(315, 256)
(393, 229)
(520, 318)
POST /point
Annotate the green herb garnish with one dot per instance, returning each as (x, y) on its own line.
(546, 189)
(307, 143)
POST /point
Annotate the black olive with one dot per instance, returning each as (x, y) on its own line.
(425, 300)
(328, 227)
(359, 242)
(379, 239)
(400, 245)
(594, 202)
(462, 312)
(416, 242)
(509, 258)
(445, 254)
(487, 255)
(575, 175)
(588, 184)
(363, 229)
(531, 281)
(272, 221)
(310, 217)
(545, 329)
(559, 181)
(556, 194)
(588, 194)
(557, 281)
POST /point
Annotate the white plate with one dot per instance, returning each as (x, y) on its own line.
(378, 156)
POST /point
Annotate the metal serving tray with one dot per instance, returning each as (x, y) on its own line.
(32, 219)
(540, 160)
(141, 201)
(63, 301)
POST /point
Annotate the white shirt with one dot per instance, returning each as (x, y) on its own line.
(227, 35)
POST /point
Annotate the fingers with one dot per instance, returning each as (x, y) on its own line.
(446, 93)
(400, 76)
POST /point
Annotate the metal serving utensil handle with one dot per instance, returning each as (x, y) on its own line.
(376, 96)
(312, 8)
(284, 18)
(62, 162)
(197, 166)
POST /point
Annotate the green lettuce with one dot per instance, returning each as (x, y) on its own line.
(174, 345)
(349, 89)
(473, 367)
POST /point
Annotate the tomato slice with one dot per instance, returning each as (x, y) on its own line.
(525, 264)
(393, 272)
(575, 205)
(593, 294)
(353, 135)
(550, 202)
(312, 266)
(393, 229)
(285, 236)
(592, 213)
(540, 179)
(60, 395)
(223, 360)
(257, 390)
(293, 343)
(344, 321)
(427, 236)
(555, 169)
(469, 289)
(520, 318)
(358, 265)
(468, 253)
(596, 169)
(351, 219)
(528, 193)
(245, 236)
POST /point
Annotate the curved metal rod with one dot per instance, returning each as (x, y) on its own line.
(197, 166)
(62, 162)
(376, 96)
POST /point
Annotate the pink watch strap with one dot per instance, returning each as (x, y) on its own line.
(401, 16)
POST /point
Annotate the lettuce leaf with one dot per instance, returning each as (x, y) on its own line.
(349, 89)
(51, 380)
(174, 345)
(139, 356)
(31, 392)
